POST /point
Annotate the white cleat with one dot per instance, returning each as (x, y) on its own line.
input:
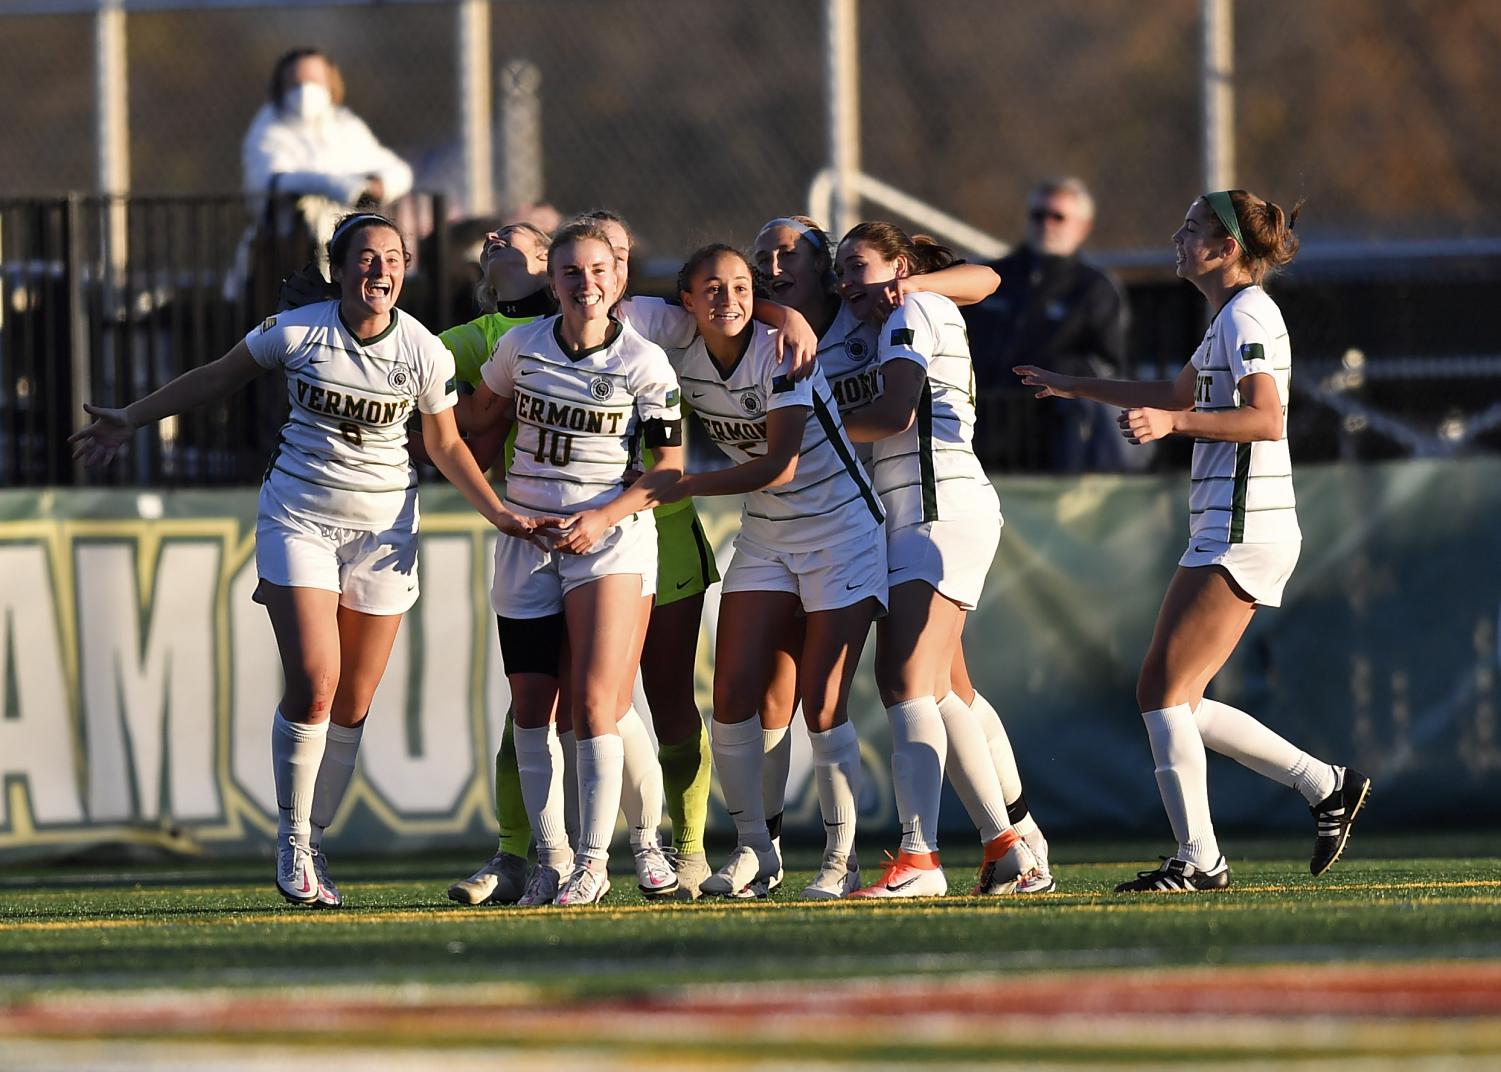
(328, 894)
(744, 875)
(837, 878)
(908, 874)
(1040, 878)
(295, 879)
(775, 880)
(542, 889)
(502, 880)
(655, 876)
(585, 886)
(1007, 861)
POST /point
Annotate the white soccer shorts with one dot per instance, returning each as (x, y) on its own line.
(825, 578)
(1260, 570)
(531, 582)
(952, 556)
(373, 572)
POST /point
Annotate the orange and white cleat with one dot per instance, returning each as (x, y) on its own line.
(908, 874)
(1008, 861)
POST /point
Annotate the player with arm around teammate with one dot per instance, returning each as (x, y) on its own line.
(810, 547)
(1244, 537)
(582, 386)
(943, 523)
(796, 257)
(336, 530)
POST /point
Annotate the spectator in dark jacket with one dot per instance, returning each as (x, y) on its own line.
(1058, 312)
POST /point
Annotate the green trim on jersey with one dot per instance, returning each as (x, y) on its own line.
(374, 338)
(831, 433)
(1238, 501)
(925, 453)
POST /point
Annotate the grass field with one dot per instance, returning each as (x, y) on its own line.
(1391, 960)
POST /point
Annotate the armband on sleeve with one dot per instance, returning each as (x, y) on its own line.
(659, 433)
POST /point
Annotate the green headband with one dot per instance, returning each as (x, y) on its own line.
(1224, 208)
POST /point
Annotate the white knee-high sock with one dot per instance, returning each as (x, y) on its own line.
(918, 748)
(296, 754)
(1231, 732)
(971, 769)
(737, 758)
(776, 763)
(539, 762)
(339, 752)
(836, 769)
(641, 794)
(568, 742)
(1183, 780)
(1005, 766)
(601, 767)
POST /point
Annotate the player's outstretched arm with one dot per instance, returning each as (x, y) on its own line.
(893, 411)
(440, 435)
(797, 342)
(1258, 417)
(962, 284)
(784, 436)
(655, 487)
(100, 441)
(1174, 394)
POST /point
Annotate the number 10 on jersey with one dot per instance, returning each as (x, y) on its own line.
(553, 446)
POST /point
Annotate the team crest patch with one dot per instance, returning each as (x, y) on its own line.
(400, 379)
(600, 388)
(267, 324)
(674, 396)
(856, 348)
(750, 402)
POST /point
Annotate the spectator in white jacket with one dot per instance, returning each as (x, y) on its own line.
(304, 142)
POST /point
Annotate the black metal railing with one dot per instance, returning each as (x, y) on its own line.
(106, 298)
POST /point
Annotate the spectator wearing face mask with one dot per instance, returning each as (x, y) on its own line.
(304, 143)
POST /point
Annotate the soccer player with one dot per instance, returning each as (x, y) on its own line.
(943, 525)
(809, 559)
(336, 530)
(582, 386)
(797, 257)
(1231, 397)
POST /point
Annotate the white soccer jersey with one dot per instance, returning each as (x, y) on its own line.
(930, 472)
(657, 320)
(847, 358)
(342, 457)
(829, 499)
(577, 415)
(1242, 492)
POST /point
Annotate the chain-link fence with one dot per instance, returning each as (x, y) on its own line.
(698, 122)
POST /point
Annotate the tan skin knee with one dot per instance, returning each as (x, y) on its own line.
(310, 698)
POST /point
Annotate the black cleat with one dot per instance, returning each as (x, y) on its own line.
(1176, 876)
(1335, 815)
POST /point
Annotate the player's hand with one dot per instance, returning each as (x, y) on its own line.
(304, 287)
(1053, 384)
(890, 294)
(535, 530)
(578, 533)
(677, 491)
(797, 345)
(100, 441)
(1145, 425)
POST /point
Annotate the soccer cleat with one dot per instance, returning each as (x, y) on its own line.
(328, 894)
(585, 886)
(502, 880)
(1040, 878)
(654, 874)
(542, 888)
(908, 874)
(838, 877)
(1177, 876)
(1007, 862)
(691, 869)
(1335, 815)
(746, 874)
(295, 879)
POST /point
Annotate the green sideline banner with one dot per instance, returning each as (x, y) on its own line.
(138, 679)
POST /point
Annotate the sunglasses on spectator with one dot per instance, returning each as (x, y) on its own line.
(1037, 215)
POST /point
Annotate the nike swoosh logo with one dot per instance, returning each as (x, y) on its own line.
(307, 887)
(529, 371)
(695, 394)
(894, 887)
(852, 587)
(827, 823)
(1203, 548)
(685, 584)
